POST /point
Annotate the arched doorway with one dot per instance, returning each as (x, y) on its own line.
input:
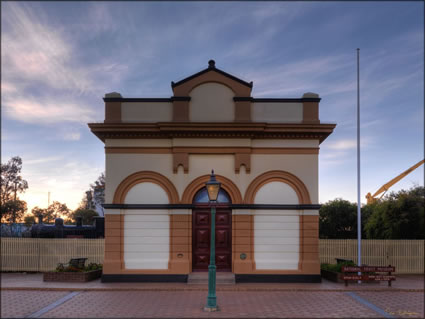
(201, 232)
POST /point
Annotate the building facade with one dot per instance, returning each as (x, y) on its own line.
(159, 155)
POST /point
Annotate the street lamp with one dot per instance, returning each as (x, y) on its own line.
(213, 187)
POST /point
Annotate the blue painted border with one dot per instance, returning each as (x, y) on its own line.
(369, 305)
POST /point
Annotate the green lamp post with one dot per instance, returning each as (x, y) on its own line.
(213, 187)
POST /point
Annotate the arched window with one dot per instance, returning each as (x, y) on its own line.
(202, 197)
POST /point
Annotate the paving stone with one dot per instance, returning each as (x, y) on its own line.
(401, 305)
(19, 304)
(163, 304)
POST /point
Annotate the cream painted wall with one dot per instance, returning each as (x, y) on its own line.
(276, 193)
(211, 102)
(119, 166)
(147, 235)
(303, 166)
(277, 112)
(146, 111)
(214, 142)
(276, 236)
(149, 193)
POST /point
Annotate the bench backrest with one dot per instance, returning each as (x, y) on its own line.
(77, 262)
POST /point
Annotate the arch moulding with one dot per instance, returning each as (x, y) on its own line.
(143, 177)
(184, 89)
(199, 183)
(278, 176)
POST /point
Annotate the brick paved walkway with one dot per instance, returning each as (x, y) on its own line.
(233, 304)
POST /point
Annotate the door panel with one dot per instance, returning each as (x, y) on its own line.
(201, 235)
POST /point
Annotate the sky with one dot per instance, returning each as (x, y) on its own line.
(58, 60)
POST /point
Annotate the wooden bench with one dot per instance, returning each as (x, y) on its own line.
(351, 273)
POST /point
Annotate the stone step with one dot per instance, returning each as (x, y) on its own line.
(201, 278)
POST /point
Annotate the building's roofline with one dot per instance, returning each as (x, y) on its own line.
(146, 99)
(187, 98)
(211, 67)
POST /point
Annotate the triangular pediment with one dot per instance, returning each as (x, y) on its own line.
(212, 74)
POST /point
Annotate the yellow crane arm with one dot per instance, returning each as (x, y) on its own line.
(385, 187)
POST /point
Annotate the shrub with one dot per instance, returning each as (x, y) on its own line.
(92, 266)
(336, 267)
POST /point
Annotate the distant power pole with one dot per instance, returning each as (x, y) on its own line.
(48, 199)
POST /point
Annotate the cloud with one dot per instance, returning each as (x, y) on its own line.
(47, 111)
(8, 87)
(66, 182)
(342, 144)
(45, 76)
(37, 52)
(348, 144)
(72, 136)
(301, 76)
(43, 160)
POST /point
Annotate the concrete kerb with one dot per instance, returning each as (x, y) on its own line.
(34, 282)
(206, 289)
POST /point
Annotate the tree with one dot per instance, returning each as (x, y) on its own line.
(55, 210)
(338, 220)
(12, 210)
(398, 216)
(86, 214)
(29, 220)
(94, 197)
(12, 183)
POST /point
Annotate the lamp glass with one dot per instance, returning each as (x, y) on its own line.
(213, 191)
(213, 187)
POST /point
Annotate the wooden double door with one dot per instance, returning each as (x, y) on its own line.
(201, 236)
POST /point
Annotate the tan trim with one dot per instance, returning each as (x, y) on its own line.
(180, 111)
(199, 183)
(243, 111)
(238, 88)
(122, 243)
(301, 257)
(286, 150)
(254, 266)
(181, 159)
(311, 112)
(113, 240)
(145, 176)
(210, 150)
(280, 176)
(137, 150)
(171, 244)
(112, 112)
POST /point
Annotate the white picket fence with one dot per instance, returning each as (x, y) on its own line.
(406, 255)
(39, 254)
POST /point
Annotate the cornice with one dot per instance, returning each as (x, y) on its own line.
(146, 99)
(275, 100)
(212, 130)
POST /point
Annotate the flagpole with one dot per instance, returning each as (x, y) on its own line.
(359, 216)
